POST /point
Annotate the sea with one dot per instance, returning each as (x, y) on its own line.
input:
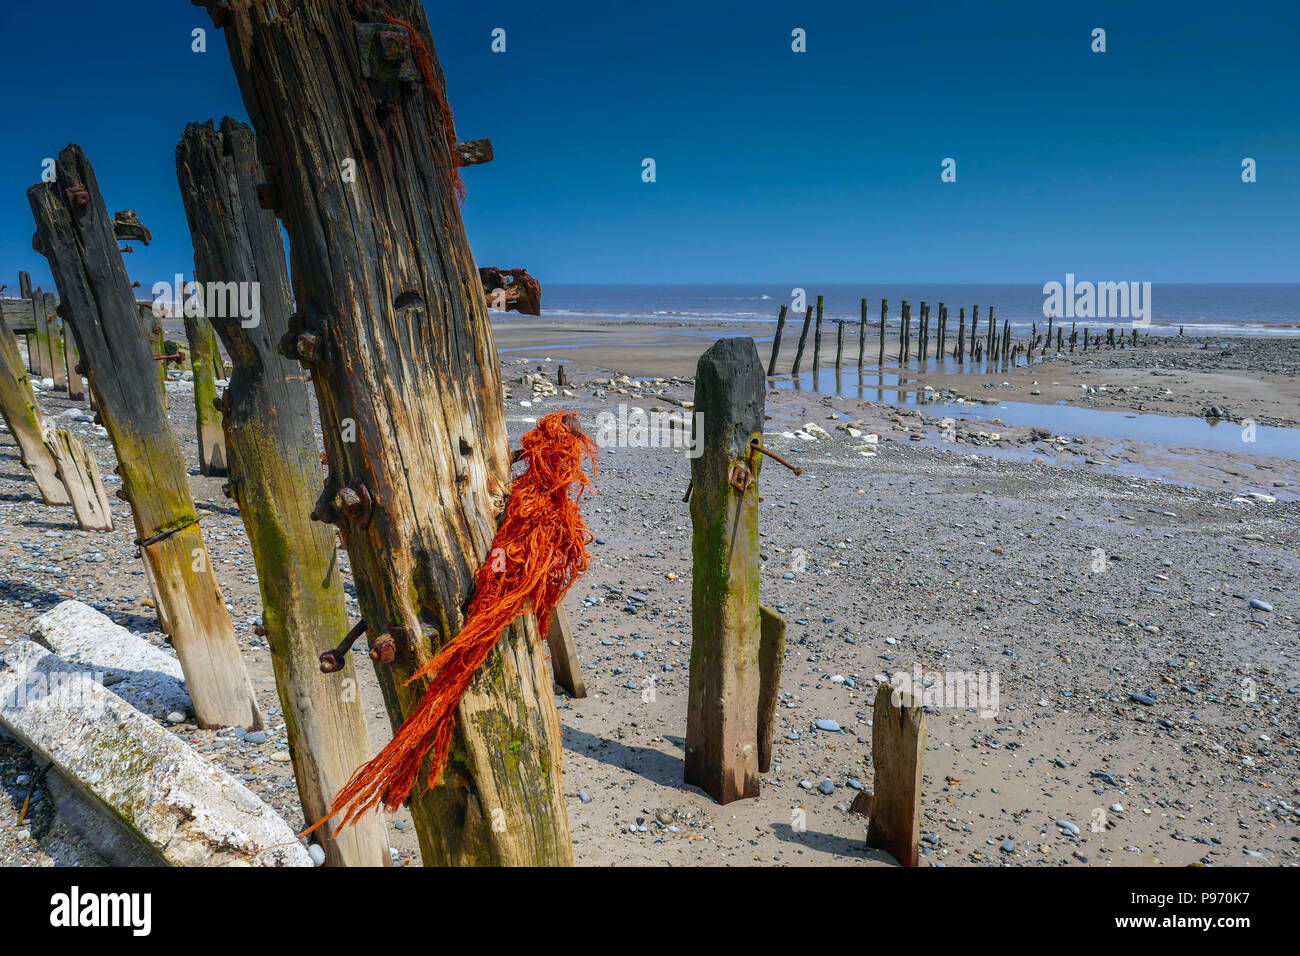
(1197, 309)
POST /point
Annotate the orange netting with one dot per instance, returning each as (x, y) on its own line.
(538, 552)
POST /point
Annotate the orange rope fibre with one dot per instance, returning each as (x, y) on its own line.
(544, 539)
(425, 62)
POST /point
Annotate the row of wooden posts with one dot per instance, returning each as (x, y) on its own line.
(932, 338)
(391, 333)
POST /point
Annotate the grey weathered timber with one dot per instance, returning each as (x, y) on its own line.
(564, 653)
(393, 324)
(77, 237)
(722, 705)
(26, 424)
(275, 474)
(897, 744)
(79, 473)
(803, 340)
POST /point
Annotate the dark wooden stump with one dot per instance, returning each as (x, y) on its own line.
(776, 342)
(803, 340)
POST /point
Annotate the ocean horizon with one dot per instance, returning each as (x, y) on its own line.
(1200, 308)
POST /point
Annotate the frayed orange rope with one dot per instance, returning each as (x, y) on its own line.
(543, 541)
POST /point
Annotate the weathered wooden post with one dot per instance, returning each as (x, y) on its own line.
(58, 360)
(943, 332)
(817, 340)
(905, 335)
(23, 416)
(722, 716)
(275, 473)
(862, 339)
(884, 320)
(25, 293)
(77, 238)
(897, 746)
(974, 328)
(771, 656)
(392, 323)
(776, 342)
(839, 343)
(1006, 339)
(803, 339)
(959, 352)
(205, 365)
(71, 361)
(564, 653)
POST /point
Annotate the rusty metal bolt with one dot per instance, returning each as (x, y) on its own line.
(330, 662)
(740, 476)
(259, 630)
(384, 649)
(394, 45)
(78, 197)
(308, 346)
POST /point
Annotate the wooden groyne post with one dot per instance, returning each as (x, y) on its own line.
(803, 340)
(817, 340)
(862, 339)
(23, 417)
(959, 353)
(206, 367)
(726, 678)
(76, 236)
(897, 745)
(884, 320)
(776, 342)
(905, 335)
(275, 476)
(393, 326)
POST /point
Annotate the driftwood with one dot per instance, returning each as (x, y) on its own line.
(275, 475)
(77, 235)
(393, 326)
(80, 476)
(23, 416)
(722, 706)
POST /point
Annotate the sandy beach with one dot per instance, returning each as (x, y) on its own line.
(1145, 709)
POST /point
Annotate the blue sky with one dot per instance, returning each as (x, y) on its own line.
(771, 165)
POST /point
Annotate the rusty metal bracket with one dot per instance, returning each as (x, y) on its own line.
(333, 660)
(754, 446)
(741, 477)
(306, 339)
(355, 504)
(78, 196)
(473, 152)
(384, 51)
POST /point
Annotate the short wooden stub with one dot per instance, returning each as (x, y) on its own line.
(722, 707)
(23, 416)
(80, 476)
(771, 655)
(897, 743)
(803, 341)
(564, 653)
(92, 281)
(776, 342)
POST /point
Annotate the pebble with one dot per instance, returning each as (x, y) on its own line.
(257, 738)
(317, 854)
(825, 723)
(1143, 699)
(584, 796)
(1259, 605)
(826, 787)
(176, 717)
(1008, 846)
(1066, 825)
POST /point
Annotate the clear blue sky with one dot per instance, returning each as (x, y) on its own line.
(772, 165)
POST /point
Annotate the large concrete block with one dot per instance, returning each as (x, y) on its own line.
(147, 677)
(189, 811)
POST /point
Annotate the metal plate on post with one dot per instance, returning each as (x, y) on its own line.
(384, 50)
